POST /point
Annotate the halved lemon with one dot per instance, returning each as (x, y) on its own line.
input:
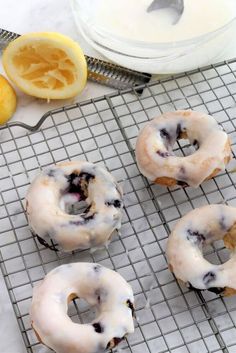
(46, 65)
(7, 100)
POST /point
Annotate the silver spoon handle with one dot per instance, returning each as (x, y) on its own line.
(178, 5)
(99, 71)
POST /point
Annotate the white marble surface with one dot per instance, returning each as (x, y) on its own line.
(40, 15)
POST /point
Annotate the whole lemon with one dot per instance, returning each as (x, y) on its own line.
(7, 100)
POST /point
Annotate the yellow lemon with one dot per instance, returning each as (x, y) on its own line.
(7, 100)
(46, 65)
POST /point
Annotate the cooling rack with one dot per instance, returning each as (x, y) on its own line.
(170, 318)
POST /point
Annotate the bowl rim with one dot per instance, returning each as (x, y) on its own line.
(99, 30)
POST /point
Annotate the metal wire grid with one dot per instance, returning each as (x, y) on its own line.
(170, 318)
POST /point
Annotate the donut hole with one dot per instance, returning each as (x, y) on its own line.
(183, 147)
(176, 142)
(78, 207)
(216, 253)
(71, 204)
(80, 311)
(73, 197)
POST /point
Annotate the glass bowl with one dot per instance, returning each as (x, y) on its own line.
(123, 33)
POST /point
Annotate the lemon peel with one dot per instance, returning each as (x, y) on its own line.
(8, 100)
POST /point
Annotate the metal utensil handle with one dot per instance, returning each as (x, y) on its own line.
(99, 71)
(6, 37)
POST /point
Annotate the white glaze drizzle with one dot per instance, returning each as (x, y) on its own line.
(200, 227)
(46, 206)
(95, 284)
(192, 169)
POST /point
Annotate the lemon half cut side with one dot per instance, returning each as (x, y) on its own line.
(46, 65)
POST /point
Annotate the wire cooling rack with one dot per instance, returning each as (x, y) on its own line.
(170, 318)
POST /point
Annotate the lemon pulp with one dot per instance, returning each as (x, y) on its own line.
(45, 67)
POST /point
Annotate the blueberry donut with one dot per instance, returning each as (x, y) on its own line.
(154, 148)
(53, 199)
(196, 229)
(102, 288)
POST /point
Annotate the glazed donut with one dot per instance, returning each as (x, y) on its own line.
(101, 287)
(154, 148)
(52, 194)
(196, 229)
